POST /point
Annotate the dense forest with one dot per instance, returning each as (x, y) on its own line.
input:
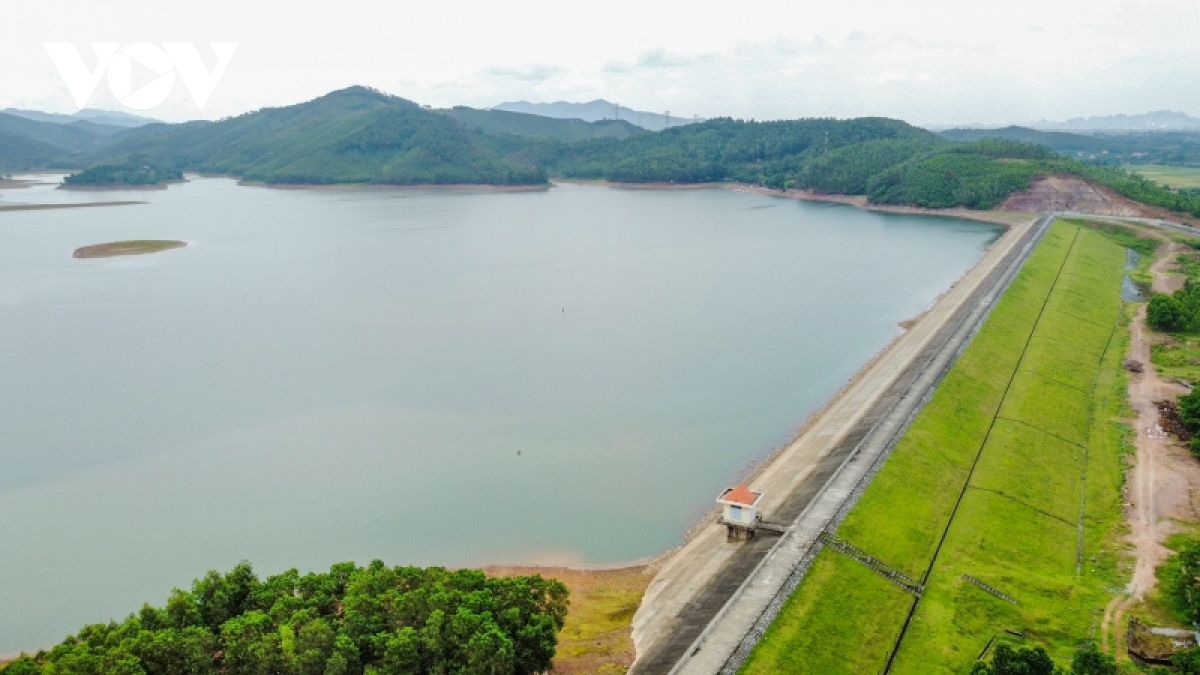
(359, 135)
(123, 174)
(355, 135)
(351, 620)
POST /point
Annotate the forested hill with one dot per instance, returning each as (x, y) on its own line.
(355, 135)
(888, 161)
(360, 135)
(720, 149)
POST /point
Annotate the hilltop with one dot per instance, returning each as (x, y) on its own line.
(354, 135)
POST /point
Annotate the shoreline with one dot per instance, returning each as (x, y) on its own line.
(80, 205)
(654, 564)
(118, 187)
(1008, 219)
(692, 568)
(354, 187)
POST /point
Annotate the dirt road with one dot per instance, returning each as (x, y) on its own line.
(1162, 271)
(1159, 488)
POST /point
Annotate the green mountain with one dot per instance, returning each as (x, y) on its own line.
(360, 135)
(355, 135)
(70, 138)
(18, 153)
(770, 153)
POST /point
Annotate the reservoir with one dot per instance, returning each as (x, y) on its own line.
(449, 377)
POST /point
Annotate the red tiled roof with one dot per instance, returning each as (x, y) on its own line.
(740, 495)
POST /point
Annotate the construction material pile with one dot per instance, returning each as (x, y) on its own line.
(1170, 421)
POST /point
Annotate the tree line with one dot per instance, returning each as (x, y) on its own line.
(373, 620)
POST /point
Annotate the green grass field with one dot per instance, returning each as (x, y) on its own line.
(1171, 176)
(1037, 387)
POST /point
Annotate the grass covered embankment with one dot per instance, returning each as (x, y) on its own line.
(987, 483)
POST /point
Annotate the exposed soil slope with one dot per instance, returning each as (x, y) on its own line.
(1070, 193)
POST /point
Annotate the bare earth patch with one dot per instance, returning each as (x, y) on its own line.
(597, 638)
(133, 247)
(1070, 193)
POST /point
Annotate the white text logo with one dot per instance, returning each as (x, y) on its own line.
(118, 60)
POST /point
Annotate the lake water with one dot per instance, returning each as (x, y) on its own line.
(425, 377)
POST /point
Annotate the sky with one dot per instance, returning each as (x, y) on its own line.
(932, 62)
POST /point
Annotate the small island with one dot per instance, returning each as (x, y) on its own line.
(132, 247)
(122, 176)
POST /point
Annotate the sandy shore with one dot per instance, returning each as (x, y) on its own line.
(46, 207)
(15, 184)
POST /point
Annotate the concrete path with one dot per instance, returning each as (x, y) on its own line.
(708, 604)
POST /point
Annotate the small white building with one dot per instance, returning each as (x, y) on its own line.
(739, 510)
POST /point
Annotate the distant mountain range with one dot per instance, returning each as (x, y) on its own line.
(1162, 120)
(366, 140)
(1109, 146)
(47, 140)
(113, 118)
(596, 111)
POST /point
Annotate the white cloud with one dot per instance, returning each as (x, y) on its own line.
(935, 61)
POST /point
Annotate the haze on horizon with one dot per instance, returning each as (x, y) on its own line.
(935, 63)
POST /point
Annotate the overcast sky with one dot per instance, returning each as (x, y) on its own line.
(928, 62)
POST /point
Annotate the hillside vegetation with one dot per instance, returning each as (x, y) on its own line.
(360, 135)
(18, 153)
(1109, 148)
(352, 136)
(122, 174)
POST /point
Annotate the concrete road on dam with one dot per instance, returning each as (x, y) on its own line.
(709, 604)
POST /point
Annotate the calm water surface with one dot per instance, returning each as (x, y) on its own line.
(425, 377)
